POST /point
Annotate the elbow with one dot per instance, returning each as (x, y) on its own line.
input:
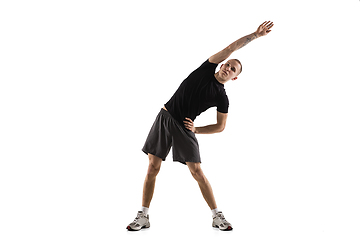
(221, 128)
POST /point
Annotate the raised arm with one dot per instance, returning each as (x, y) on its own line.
(262, 30)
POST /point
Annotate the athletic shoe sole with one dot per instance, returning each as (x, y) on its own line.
(229, 228)
(134, 230)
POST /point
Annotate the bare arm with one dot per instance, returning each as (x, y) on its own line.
(262, 30)
(213, 128)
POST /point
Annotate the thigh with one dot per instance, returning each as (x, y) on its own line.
(185, 147)
(159, 140)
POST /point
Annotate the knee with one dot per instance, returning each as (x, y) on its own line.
(154, 168)
(152, 171)
(198, 175)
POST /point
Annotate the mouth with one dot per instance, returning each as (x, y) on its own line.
(224, 72)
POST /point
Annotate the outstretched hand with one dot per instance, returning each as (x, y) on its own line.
(264, 29)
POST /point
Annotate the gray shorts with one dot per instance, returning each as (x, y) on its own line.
(165, 133)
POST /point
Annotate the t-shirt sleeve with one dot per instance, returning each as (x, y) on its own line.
(205, 68)
(208, 64)
(223, 104)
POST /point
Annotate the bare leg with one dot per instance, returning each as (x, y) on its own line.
(149, 183)
(204, 184)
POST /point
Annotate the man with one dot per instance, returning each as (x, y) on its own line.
(174, 125)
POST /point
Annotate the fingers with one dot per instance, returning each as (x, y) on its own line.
(267, 24)
(264, 28)
(270, 25)
(188, 124)
(189, 127)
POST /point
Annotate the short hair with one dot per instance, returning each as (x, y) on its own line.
(240, 65)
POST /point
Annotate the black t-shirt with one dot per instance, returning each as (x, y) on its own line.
(198, 92)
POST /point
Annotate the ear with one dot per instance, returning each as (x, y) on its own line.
(234, 78)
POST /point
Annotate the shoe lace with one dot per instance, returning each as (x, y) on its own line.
(137, 217)
(222, 218)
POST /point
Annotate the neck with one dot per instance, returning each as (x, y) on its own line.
(219, 79)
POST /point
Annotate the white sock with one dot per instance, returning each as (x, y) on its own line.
(145, 210)
(214, 212)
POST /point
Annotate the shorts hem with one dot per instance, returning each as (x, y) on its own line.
(184, 162)
(147, 152)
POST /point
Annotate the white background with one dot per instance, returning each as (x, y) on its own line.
(82, 83)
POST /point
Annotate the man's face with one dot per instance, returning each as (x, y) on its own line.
(230, 70)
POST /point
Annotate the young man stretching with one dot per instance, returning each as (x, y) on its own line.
(174, 125)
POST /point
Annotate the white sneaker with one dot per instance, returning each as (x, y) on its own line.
(141, 221)
(220, 222)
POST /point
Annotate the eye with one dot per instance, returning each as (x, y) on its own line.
(233, 69)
